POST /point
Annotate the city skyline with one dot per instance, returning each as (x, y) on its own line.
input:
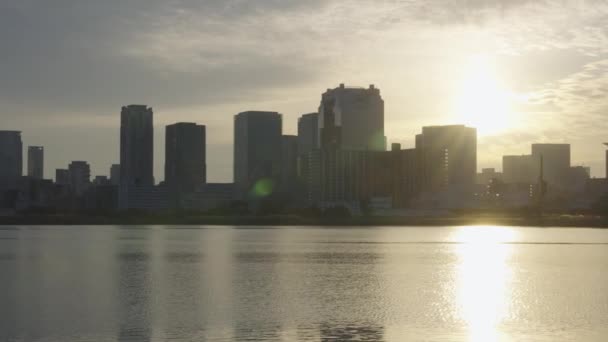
(535, 78)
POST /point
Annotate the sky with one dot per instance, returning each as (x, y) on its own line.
(520, 71)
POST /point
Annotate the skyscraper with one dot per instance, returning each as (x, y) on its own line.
(80, 176)
(35, 162)
(136, 146)
(185, 157)
(11, 158)
(308, 132)
(352, 119)
(136, 150)
(62, 177)
(115, 174)
(448, 156)
(257, 152)
(289, 163)
(556, 163)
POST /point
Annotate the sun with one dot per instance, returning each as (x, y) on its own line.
(482, 101)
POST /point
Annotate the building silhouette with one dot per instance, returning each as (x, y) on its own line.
(35, 162)
(352, 119)
(115, 174)
(487, 175)
(101, 181)
(448, 157)
(80, 176)
(289, 164)
(308, 132)
(556, 163)
(11, 158)
(136, 151)
(62, 177)
(257, 152)
(185, 158)
(606, 144)
(519, 169)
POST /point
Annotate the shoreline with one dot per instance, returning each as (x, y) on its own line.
(545, 221)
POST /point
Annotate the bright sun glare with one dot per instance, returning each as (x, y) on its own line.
(483, 101)
(484, 279)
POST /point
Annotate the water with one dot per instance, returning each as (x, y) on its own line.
(303, 284)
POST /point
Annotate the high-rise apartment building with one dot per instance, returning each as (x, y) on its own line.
(35, 162)
(136, 151)
(185, 157)
(352, 119)
(80, 176)
(11, 158)
(308, 132)
(257, 152)
(448, 156)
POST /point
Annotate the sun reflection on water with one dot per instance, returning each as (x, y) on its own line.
(483, 279)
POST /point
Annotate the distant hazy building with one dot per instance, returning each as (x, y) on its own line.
(521, 169)
(448, 157)
(185, 157)
(136, 150)
(352, 119)
(257, 152)
(404, 175)
(486, 175)
(11, 157)
(101, 181)
(115, 174)
(35, 162)
(209, 196)
(352, 178)
(578, 178)
(308, 132)
(606, 144)
(80, 176)
(556, 163)
(289, 163)
(62, 177)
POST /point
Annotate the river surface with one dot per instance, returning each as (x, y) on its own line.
(164, 283)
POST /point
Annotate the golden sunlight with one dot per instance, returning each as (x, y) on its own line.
(483, 277)
(483, 101)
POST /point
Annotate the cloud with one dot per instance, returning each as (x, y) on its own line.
(73, 63)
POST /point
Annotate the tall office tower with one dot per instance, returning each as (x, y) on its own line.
(115, 174)
(308, 132)
(352, 119)
(185, 157)
(62, 177)
(11, 158)
(448, 156)
(80, 176)
(35, 162)
(257, 152)
(519, 169)
(136, 151)
(289, 163)
(556, 163)
(136, 146)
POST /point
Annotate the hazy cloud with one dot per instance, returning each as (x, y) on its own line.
(73, 63)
